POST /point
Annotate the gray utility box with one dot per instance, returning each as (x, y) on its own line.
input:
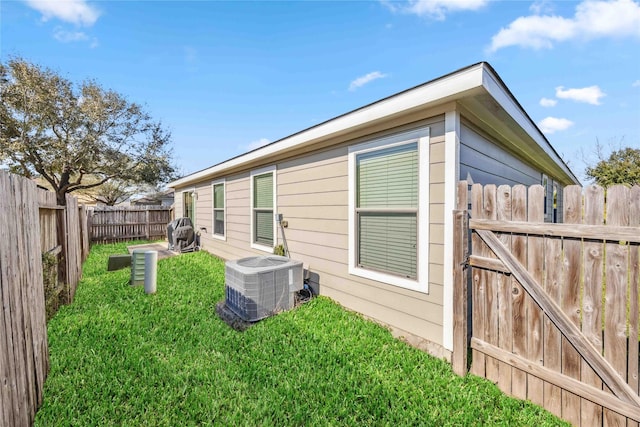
(118, 262)
(258, 287)
(137, 267)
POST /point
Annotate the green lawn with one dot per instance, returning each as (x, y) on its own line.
(120, 357)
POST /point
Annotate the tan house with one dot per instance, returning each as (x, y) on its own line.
(368, 196)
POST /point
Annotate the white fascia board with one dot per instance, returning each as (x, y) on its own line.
(499, 92)
(436, 92)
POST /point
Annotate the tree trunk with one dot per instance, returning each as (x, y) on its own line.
(61, 191)
(61, 198)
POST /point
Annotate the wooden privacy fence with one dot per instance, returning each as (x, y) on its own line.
(116, 224)
(554, 307)
(33, 229)
(64, 235)
(24, 357)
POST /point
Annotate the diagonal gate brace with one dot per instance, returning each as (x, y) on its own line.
(570, 331)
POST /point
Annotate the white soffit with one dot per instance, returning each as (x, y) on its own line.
(499, 92)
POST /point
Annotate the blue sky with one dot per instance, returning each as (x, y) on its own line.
(226, 77)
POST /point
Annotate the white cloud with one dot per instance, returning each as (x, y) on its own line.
(434, 9)
(554, 124)
(546, 102)
(541, 6)
(590, 95)
(77, 12)
(65, 36)
(363, 80)
(592, 19)
(636, 83)
(256, 144)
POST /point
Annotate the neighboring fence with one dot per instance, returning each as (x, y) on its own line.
(117, 224)
(554, 307)
(41, 252)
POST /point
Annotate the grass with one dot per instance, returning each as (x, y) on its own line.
(120, 357)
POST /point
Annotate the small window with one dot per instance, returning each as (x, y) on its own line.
(219, 210)
(262, 209)
(189, 205)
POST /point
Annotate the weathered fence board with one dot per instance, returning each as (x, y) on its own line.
(535, 262)
(570, 342)
(634, 283)
(491, 290)
(23, 335)
(519, 312)
(85, 238)
(74, 253)
(592, 298)
(479, 283)
(503, 282)
(615, 334)
(34, 227)
(570, 300)
(116, 224)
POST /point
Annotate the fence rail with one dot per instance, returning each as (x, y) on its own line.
(554, 307)
(116, 224)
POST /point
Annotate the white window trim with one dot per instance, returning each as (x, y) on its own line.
(255, 172)
(224, 210)
(422, 137)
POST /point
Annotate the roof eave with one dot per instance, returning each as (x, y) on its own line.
(476, 79)
(494, 85)
(436, 92)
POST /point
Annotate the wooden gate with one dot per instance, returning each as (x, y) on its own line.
(553, 307)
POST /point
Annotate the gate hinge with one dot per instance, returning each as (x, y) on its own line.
(465, 262)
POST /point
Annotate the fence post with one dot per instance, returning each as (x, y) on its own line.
(61, 228)
(147, 229)
(460, 298)
(461, 291)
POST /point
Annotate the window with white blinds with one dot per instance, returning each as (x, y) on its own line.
(262, 207)
(218, 210)
(387, 210)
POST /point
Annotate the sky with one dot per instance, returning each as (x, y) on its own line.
(227, 77)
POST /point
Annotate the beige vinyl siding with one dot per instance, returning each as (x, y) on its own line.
(204, 202)
(237, 207)
(177, 202)
(313, 197)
